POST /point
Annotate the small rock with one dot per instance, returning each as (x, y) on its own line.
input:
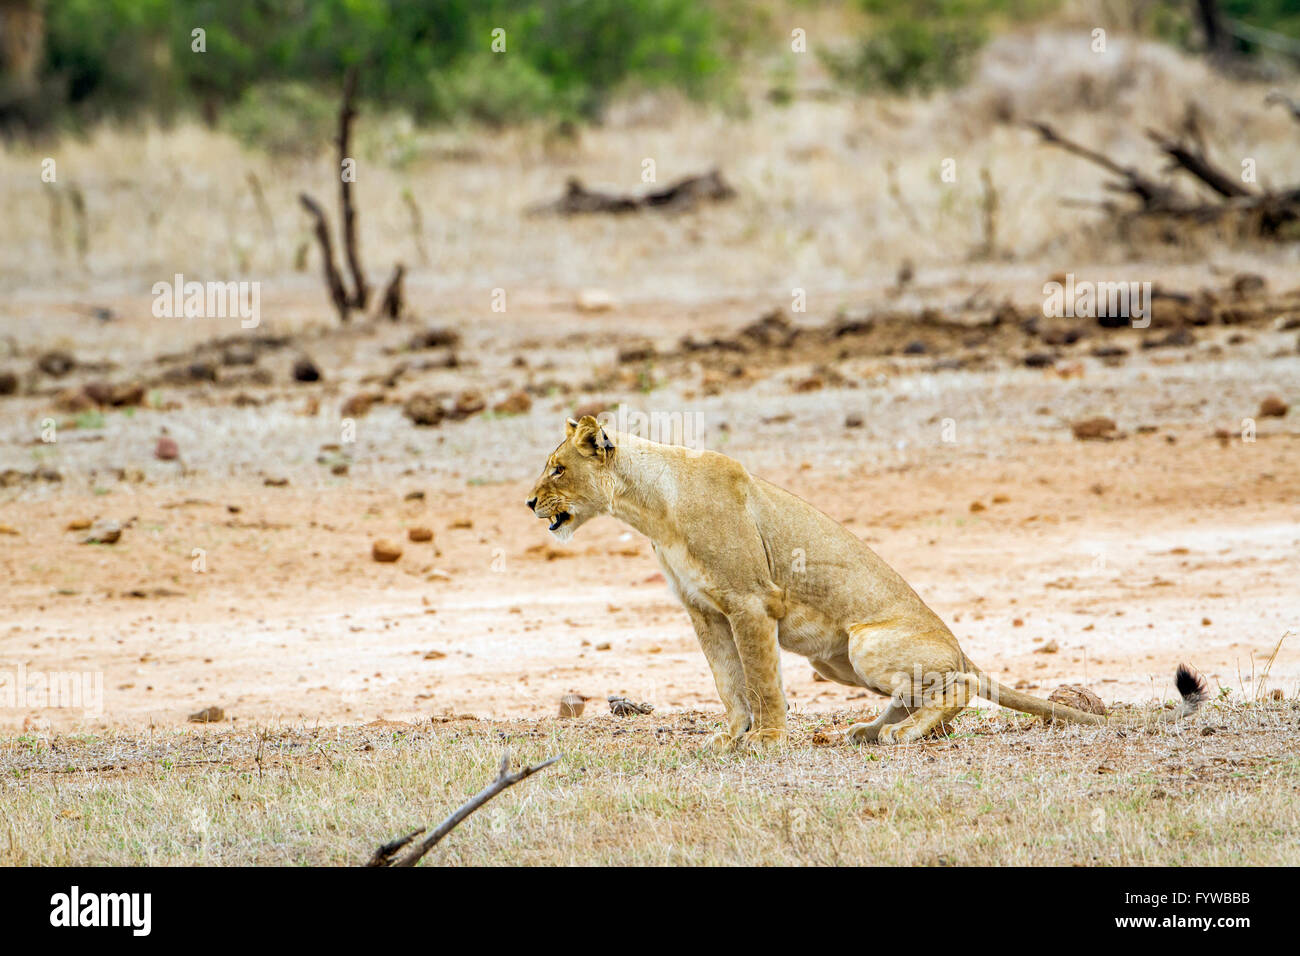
(9, 529)
(852, 421)
(468, 402)
(104, 532)
(419, 534)
(434, 337)
(1095, 429)
(78, 524)
(166, 449)
(359, 405)
(198, 371)
(74, 401)
(1273, 407)
(810, 384)
(305, 370)
(915, 348)
(622, 707)
(8, 383)
(1051, 647)
(642, 352)
(208, 715)
(1040, 360)
(385, 551)
(1078, 697)
(1247, 284)
(56, 364)
(516, 404)
(423, 409)
(976, 507)
(603, 646)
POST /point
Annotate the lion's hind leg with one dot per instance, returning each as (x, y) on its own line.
(865, 733)
(920, 723)
(923, 712)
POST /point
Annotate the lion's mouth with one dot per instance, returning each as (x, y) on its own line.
(559, 519)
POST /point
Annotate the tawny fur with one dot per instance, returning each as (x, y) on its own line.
(759, 569)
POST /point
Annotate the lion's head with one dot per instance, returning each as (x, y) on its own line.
(576, 484)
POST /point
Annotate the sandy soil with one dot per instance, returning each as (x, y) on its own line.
(1127, 556)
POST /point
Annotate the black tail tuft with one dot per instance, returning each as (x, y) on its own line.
(1191, 686)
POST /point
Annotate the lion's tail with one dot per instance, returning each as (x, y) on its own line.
(1191, 687)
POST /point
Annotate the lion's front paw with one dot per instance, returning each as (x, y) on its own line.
(900, 733)
(723, 741)
(767, 737)
(862, 734)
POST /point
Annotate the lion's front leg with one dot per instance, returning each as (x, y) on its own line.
(720, 650)
(755, 633)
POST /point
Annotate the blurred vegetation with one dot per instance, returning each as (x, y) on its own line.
(433, 58)
(924, 44)
(272, 69)
(1274, 22)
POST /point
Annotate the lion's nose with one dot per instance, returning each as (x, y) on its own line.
(532, 504)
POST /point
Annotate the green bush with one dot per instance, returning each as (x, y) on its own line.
(924, 44)
(908, 55)
(430, 57)
(287, 118)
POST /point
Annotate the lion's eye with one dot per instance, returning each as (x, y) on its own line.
(559, 470)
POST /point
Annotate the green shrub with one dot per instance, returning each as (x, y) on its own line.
(287, 118)
(924, 44)
(908, 55)
(432, 58)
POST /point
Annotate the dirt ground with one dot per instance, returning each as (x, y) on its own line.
(244, 579)
(922, 397)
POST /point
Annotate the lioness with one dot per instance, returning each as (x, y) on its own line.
(758, 568)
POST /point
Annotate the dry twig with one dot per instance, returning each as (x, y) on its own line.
(384, 856)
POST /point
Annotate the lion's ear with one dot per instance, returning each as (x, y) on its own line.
(570, 426)
(591, 439)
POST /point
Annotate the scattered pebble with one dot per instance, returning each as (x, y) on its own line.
(1273, 407)
(385, 551)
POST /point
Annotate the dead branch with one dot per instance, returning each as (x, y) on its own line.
(333, 281)
(384, 856)
(346, 301)
(1194, 161)
(1153, 194)
(347, 113)
(683, 194)
(1292, 106)
(394, 301)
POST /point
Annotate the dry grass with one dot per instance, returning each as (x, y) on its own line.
(1002, 790)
